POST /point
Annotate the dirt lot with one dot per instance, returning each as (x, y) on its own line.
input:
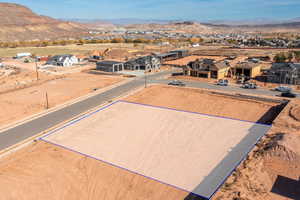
(108, 136)
(20, 103)
(43, 171)
(201, 101)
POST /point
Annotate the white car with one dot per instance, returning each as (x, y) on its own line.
(249, 86)
(222, 82)
(283, 89)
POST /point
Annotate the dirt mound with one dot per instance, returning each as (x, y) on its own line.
(119, 54)
(20, 23)
(295, 113)
(277, 157)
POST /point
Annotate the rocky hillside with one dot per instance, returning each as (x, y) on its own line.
(19, 23)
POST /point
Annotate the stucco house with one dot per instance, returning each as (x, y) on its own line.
(207, 68)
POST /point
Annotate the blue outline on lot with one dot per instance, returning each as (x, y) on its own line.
(211, 183)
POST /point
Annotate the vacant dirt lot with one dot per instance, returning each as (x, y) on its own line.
(43, 171)
(108, 136)
(202, 101)
(21, 103)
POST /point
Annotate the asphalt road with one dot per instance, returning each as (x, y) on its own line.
(36, 126)
(230, 88)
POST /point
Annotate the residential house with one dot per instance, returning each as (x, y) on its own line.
(284, 73)
(147, 63)
(207, 68)
(167, 56)
(173, 55)
(246, 69)
(110, 66)
(181, 53)
(62, 60)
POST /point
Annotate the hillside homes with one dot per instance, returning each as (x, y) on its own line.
(63, 60)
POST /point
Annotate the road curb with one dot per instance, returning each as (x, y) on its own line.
(30, 140)
(63, 105)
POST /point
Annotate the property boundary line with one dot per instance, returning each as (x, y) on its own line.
(244, 157)
(159, 107)
(198, 113)
(119, 167)
(147, 105)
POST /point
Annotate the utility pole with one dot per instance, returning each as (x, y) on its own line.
(36, 69)
(47, 101)
(145, 77)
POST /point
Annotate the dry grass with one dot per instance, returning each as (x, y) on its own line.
(53, 50)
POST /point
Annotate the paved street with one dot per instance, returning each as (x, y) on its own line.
(230, 88)
(31, 128)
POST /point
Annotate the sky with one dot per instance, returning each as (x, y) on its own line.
(202, 10)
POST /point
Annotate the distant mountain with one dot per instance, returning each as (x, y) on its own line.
(258, 28)
(19, 23)
(127, 21)
(254, 22)
(123, 21)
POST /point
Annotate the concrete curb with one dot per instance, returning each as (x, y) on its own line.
(28, 141)
(63, 105)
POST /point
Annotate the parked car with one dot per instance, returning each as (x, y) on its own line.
(176, 83)
(249, 86)
(288, 94)
(283, 89)
(222, 82)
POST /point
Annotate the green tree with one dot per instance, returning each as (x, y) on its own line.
(117, 40)
(280, 58)
(290, 56)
